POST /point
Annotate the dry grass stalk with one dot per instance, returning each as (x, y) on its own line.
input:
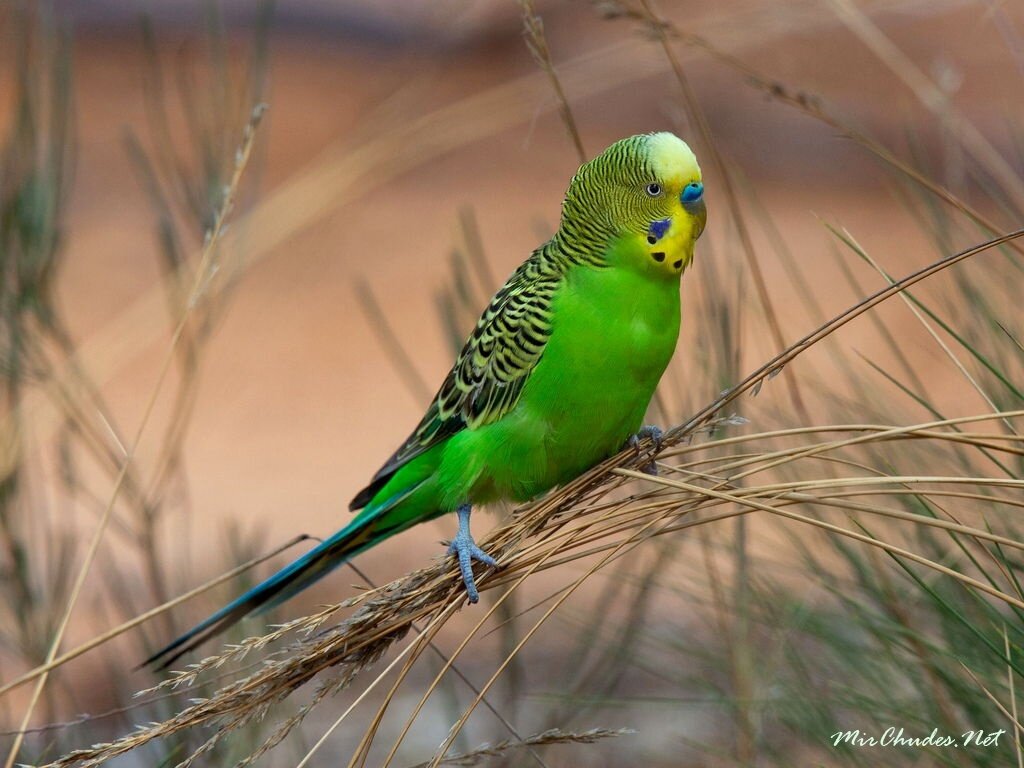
(203, 275)
(931, 96)
(1011, 684)
(908, 301)
(1014, 722)
(755, 380)
(537, 42)
(99, 640)
(543, 739)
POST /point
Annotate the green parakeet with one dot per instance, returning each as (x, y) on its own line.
(556, 376)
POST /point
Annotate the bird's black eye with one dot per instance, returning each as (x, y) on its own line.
(653, 189)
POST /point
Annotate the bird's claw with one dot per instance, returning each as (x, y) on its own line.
(656, 435)
(466, 551)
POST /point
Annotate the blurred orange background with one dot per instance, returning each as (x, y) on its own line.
(299, 403)
(386, 119)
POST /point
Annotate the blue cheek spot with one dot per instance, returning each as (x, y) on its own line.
(659, 228)
(692, 192)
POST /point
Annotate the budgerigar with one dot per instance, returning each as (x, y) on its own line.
(556, 375)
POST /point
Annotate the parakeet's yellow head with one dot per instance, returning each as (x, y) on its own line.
(644, 198)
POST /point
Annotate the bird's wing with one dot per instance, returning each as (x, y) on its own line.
(491, 370)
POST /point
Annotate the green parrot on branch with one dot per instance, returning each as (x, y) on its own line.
(555, 377)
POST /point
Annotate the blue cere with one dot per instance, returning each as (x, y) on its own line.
(692, 192)
(659, 228)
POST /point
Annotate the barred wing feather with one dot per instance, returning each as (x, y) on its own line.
(491, 370)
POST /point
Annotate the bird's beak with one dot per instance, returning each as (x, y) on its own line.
(692, 200)
(698, 213)
(696, 219)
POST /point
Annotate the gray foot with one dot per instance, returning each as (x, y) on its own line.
(466, 550)
(653, 432)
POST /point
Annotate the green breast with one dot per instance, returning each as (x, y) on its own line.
(614, 334)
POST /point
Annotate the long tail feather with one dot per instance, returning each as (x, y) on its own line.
(359, 535)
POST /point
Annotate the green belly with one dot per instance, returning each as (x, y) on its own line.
(614, 334)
